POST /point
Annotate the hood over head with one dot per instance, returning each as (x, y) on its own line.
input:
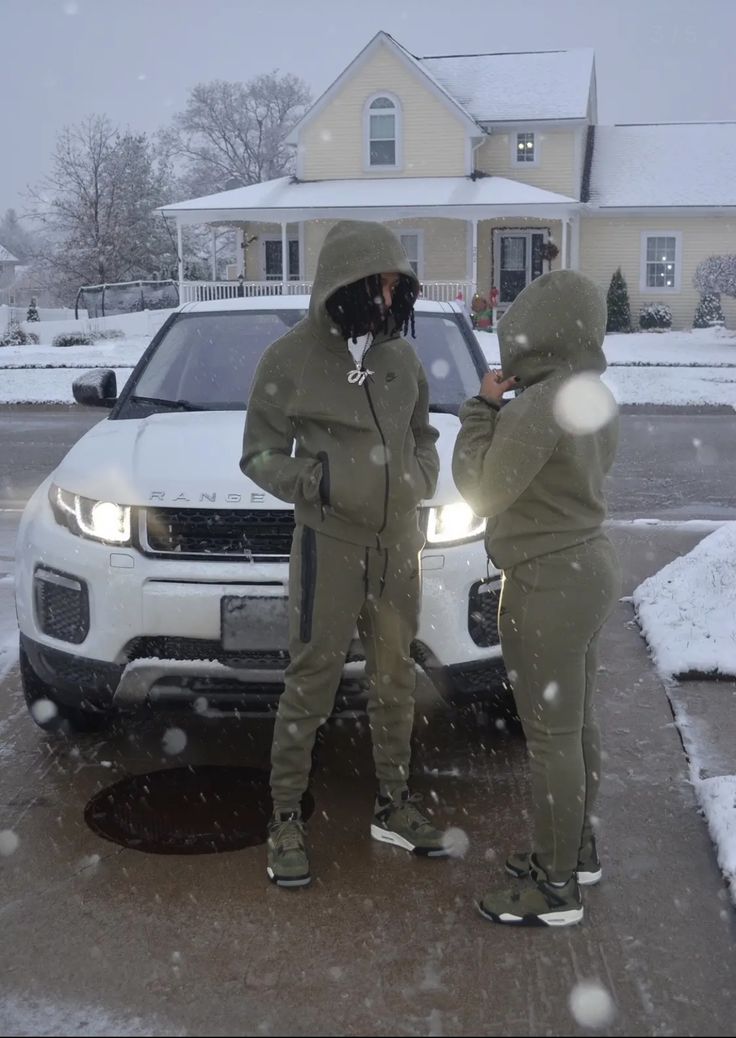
(556, 325)
(352, 250)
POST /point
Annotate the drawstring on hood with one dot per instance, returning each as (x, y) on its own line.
(555, 326)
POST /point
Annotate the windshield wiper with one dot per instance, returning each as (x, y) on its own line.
(444, 408)
(174, 405)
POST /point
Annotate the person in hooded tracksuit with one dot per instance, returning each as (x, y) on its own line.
(535, 467)
(338, 424)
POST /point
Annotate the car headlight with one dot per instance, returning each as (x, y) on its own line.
(98, 520)
(453, 524)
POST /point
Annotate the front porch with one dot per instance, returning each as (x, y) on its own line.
(464, 236)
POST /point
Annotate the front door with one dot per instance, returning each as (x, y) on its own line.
(518, 261)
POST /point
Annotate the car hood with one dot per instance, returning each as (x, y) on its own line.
(189, 459)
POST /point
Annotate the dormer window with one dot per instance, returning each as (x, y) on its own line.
(526, 150)
(383, 133)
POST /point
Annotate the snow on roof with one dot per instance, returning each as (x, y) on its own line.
(6, 256)
(535, 85)
(284, 196)
(664, 164)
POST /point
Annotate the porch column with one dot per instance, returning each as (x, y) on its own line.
(473, 261)
(563, 250)
(284, 259)
(575, 241)
(180, 259)
(240, 251)
(214, 253)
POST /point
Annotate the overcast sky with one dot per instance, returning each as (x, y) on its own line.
(136, 60)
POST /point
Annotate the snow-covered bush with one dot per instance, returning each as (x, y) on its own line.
(716, 275)
(708, 312)
(15, 336)
(619, 308)
(73, 339)
(655, 315)
(32, 314)
(110, 333)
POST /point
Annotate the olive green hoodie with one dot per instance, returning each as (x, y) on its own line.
(364, 455)
(540, 483)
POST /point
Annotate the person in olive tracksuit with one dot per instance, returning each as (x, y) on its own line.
(349, 396)
(535, 467)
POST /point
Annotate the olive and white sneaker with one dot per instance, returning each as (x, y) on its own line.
(588, 872)
(288, 863)
(401, 823)
(535, 901)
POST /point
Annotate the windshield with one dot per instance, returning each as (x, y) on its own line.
(206, 361)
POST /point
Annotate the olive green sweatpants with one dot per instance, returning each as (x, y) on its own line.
(334, 586)
(551, 614)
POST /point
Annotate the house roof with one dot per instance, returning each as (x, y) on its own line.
(662, 165)
(383, 39)
(526, 86)
(6, 256)
(534, 86)
(288, 199)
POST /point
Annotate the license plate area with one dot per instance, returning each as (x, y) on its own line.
(254, 623)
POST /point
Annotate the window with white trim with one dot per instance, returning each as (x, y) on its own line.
(272, 266)
(526, 147)
(382, 132)
(411, 241)
(661, 262)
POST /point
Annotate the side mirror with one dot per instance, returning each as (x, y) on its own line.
(96, 388)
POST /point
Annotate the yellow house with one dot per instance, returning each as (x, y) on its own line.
(492, 169)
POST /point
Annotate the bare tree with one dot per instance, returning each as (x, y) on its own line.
(97, 207)
(236, 131)
(16, 236)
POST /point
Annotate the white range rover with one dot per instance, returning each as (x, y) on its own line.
(151, 571)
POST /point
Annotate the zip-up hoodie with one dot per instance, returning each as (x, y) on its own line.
(541, 486)
(364, 455)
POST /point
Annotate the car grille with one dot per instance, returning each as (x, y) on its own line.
(231, 533)
(169, 647)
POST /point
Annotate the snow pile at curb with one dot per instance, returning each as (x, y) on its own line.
(686, 611)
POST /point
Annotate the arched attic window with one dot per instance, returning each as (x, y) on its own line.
(383, 127)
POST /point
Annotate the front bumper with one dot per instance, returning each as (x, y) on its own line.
(155, 623)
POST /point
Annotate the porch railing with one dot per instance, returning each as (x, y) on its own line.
(202, 291)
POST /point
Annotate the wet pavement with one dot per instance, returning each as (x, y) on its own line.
(102, 939)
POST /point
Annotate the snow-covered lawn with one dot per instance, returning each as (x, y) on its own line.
(676, 368)
(44, 374)
(702, 346)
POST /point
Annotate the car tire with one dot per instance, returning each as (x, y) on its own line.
(476, 687)
(61, 718)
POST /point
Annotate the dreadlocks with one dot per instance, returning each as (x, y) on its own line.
(358, 308)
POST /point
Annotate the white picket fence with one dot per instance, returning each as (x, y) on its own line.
(17, 314)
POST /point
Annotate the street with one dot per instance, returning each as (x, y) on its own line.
(98, 937)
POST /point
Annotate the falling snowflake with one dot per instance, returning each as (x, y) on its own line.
(379, 454)
(174, 741)
(583, 405)
(456, 842)
(551, 692)
(591, 1005)
(440, 368)
(43, 711)
(9, 842)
